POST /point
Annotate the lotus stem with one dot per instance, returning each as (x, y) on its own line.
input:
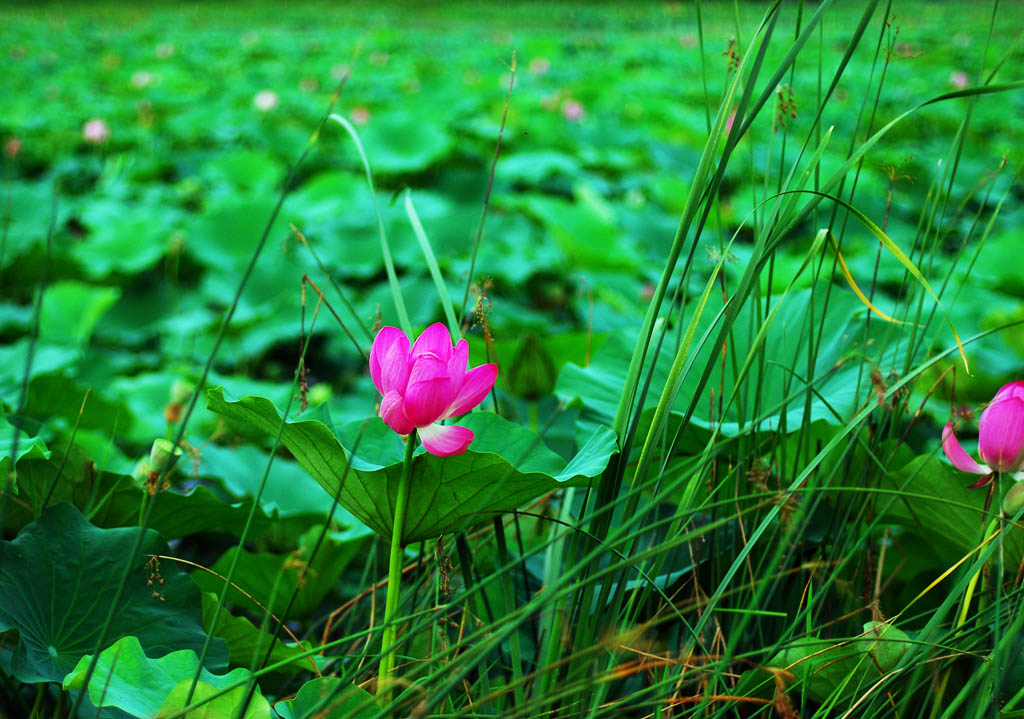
(387, 659)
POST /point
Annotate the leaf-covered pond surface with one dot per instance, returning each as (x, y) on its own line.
(720, 397)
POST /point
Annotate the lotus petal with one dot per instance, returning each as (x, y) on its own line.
(445, 440)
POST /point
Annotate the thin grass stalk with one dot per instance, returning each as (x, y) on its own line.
(330, 278)
(515, 648)
(278, 626)
(612, 477)
(37, 309)
(385, 247)
(487, 194)
(229, 575)
(179, 436)
(387, 647)
(432, 266)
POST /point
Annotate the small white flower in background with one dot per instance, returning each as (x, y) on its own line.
(540, 65)
(959, 79)
(265, 100)
(142, 79)
(572, 110)
(95, 131)
(164, 50)
(359, 115)
(340, 72)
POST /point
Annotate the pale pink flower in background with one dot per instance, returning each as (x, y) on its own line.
(1000, 437)
(427, 383)
(379, 59)
(959, 79)
(540, 65)
(309, 84)
(164, 50)
(340, 72)
(95, 131)
(572, 110)
(265, 100)
(359, 115)
(688, 39)
(142, 79)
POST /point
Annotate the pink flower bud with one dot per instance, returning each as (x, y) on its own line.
(95, 131)
(1000, 435)
(572, 110)
(427, 383)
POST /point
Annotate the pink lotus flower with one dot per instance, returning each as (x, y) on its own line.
(426, 384)
(95, 131)
(572, 110)
(1000, 437)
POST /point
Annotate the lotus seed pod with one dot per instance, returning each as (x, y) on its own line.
(161, 453)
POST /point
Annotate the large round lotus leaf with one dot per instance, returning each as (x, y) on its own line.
(59, 612)
(131, 681)
(506, 466)
(329, 698)
(404, 142)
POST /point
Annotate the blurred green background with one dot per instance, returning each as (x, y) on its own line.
(157, 139)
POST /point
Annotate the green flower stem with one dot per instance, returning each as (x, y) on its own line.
(972, 585)
(387, 647)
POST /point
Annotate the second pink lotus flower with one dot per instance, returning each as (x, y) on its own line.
(426, 383)
(1000, 437)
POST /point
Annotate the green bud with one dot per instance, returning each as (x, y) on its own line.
(160, 454)
(141, 472)
(182, 391)
(319, 393)
(1013, 500)
(532, 373)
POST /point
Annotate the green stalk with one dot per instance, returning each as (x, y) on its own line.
(937, 703)
(387, 644)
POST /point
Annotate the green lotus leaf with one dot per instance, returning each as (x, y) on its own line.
(126, 678)
(506, 466)
(58, 612)
(329, 698)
